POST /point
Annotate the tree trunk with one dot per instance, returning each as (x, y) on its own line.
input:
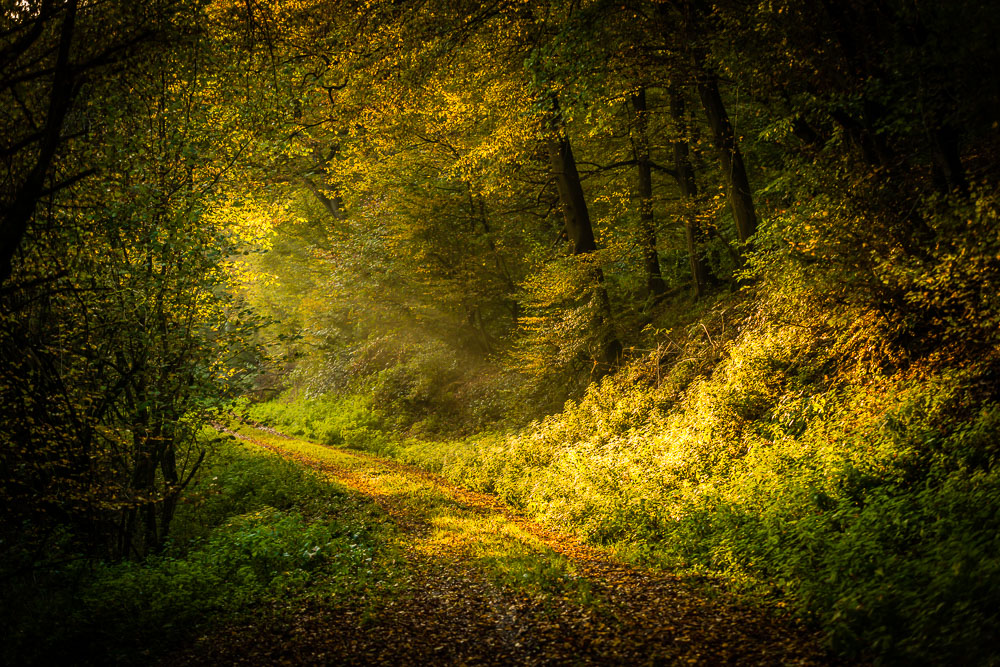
(574, 206)
(734, 172)
(171, 488)
(477, 207)
(334, 205)
(948, 160)
(693, 235)
(578, 227)
(140, 531)
(15, 220)
(644, 185)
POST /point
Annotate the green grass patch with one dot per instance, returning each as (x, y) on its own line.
(329, 419)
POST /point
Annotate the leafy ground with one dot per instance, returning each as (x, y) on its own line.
(478, 584)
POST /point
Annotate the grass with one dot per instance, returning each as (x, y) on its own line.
(253, 531)
(447, 527)
(798, 470)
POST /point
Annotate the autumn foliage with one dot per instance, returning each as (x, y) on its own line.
(712, 283)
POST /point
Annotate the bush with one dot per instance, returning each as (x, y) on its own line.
(864, 499)
(254, 529)
(329, 419)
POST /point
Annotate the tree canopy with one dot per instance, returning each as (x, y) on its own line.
(471, 213)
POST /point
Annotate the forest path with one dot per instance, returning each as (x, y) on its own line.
(488, 586)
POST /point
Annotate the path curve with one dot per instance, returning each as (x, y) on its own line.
(608, 612)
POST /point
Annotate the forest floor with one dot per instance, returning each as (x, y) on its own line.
(485, 586)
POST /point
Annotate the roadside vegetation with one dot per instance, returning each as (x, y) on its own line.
(256, 537)
(785, 458)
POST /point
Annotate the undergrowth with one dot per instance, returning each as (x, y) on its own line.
(807, 466)
(253, 530)
(828, 441)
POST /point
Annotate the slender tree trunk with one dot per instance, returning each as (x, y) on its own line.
(689, 191)
(172, 488)
(644, 185)
(574, 206)
(478, 210)
(143, 514)
(734, 172)
(14, 223)
(578, 227)
(947, 158)
(334, 205)
(948, 170)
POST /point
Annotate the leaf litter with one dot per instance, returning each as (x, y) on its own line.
(484, 585)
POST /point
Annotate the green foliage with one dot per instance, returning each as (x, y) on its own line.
(864, 500)
(565, 327)
(249, 483)
(119, 331)
(828, 434)
(254, 530)
(330, 419)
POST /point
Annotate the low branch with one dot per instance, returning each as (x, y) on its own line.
(597, 168)
(67, 182)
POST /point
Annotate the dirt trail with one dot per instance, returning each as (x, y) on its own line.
(492, 587)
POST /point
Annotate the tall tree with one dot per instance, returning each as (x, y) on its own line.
(693, 32)
(734, 171)
(693, 235)
(116, 324)
(644, 189)
(54, 48)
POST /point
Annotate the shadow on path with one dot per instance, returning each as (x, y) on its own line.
(491, 587)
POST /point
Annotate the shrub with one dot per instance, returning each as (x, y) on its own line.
(233, 552)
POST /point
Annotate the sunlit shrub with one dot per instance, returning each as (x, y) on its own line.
(799, 466)
(567, 327)
(330, 419)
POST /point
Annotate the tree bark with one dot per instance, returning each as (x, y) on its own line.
(693, 234)
(734, 172)
(949, 160)
(574, 205)
(644, 186)
(15, 220)
(334, 205)
(478, 210)
(578, 227)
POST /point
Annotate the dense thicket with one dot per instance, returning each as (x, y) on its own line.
(117, 329)
(755, 243)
